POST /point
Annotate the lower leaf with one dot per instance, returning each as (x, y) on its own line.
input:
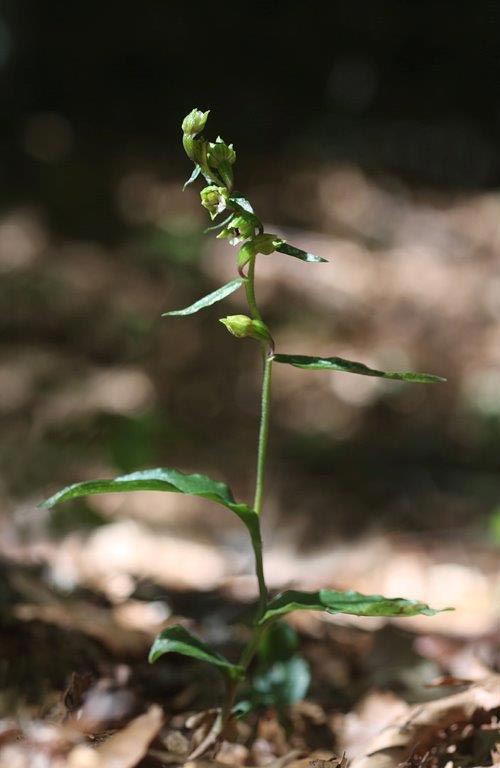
(177, 639)
(163, 479)
(350, 602)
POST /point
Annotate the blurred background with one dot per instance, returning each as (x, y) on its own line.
(368, 133)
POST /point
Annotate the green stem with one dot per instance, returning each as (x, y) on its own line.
(252, 645)
(259, 570)
(250, 290)
(263, 434)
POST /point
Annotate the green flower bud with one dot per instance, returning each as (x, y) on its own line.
(266, 243)
(220, 152)
(243, 327)
(214, 199)
(194, 122)
(196, 149)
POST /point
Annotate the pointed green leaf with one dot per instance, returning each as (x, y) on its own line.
(348, 366)
(177, 639)
(220, 225)
(240, 203)
(159, 479)
(291, 250)
(193, 177)
(352, 603)
(207, 301)
(281, 684)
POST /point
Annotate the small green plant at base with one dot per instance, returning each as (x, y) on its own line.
(214, 161)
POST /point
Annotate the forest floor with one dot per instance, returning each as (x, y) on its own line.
(402, 484)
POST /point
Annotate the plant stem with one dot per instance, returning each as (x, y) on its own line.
(263, 434)
(259, 571)
(252, 645)
(250, 290)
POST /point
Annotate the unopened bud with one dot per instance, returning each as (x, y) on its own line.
(214, 199)
(196, 149)
(266, 243)
(194, 122)
(244, 327)
(220, 152)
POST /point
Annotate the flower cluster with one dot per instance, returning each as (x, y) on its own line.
(214, 161)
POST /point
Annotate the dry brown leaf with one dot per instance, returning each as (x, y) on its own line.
(317, 759)
(419, 727)
(356, 729)
(124, 749)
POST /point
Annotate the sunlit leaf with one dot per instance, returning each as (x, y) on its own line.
(240, 203)
(207, 301)
(220, 225)
(291, 250)
(193, 177)
(163, 480)
(177, 639)
(352, 603)
(348, 366)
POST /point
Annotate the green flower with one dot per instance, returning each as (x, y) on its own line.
(194, 122)
(214, 199)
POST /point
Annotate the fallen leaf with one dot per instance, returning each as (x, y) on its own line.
(424, 724)
(127, 747)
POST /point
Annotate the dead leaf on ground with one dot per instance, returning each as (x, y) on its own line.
(124, 749)
(424, 729)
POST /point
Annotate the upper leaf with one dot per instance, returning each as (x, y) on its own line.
(196, 172)
(240, 203)
(348, 366)
(163, 480)
(177, 639)
(219, 225)
(291, 250)
(208, 300)
(352, 603)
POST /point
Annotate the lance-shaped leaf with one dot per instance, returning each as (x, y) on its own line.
(208, 300)
(352, 603)
(193, 177)
(348, 366)
(220, 224)
(177, 639)
(170, 480)
(239, 203)
(291, 250)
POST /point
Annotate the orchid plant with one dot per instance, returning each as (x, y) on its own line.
(236, 221)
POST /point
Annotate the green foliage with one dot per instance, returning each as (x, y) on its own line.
(291, 250)
(208, 300)
(159, 479)
(352, 603)
(177, 639)
(282, 676)
(348, 366)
